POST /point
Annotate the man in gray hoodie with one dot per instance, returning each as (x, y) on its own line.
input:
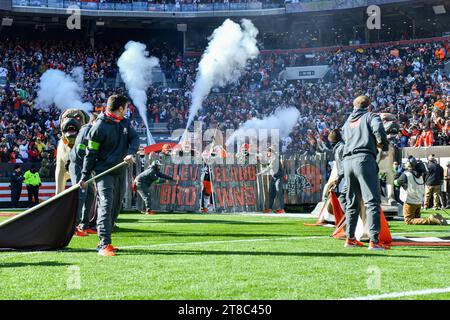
(363, 133)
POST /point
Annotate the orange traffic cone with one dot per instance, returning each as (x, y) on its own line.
(385, 236)
(339, 233)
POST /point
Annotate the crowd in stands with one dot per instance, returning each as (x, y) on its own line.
(408, 82)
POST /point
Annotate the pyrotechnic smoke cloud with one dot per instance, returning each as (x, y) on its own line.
(283, 119)
(229, 49)
(63, 90)
(135, 67)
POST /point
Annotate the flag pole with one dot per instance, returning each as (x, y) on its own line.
(60, 195)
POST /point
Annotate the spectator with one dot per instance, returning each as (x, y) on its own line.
(433, 182)
(446, 194)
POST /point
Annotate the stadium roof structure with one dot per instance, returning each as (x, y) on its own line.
(323, 22)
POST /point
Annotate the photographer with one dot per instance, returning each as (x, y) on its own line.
(411, 183)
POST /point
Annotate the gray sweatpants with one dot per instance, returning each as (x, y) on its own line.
(85, 199)
(111, 190)
(144, 191)
(361, 176)
(276, 192)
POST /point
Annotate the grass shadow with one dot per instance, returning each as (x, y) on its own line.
(33, 264)
(195, 234)
(204, 221)
(261, 253)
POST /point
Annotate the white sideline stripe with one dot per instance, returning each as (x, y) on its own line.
(401, 294)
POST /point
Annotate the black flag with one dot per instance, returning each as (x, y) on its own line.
(49, 227)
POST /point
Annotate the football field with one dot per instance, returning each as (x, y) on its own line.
(213, 256)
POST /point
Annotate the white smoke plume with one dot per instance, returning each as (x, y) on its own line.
(135, 67)
(229, 49)
(77, 74)
(63, 90)
(283, 119)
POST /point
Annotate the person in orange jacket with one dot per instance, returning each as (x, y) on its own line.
(425, 139)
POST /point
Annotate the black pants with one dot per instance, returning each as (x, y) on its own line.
(15, 196)
(111, 190)
(33, 192)
(276, 193)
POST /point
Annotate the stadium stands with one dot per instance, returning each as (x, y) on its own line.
(406, 80)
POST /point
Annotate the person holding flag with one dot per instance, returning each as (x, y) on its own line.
(86, 196)
(111, 140)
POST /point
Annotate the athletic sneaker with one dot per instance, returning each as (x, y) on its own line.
(353, 243)
(108, 251)
(113, 248)
(378, 246)
(205, 210)
(267, 210)
(80, 233)
(280, 211)
(150, 212)
(89, 231)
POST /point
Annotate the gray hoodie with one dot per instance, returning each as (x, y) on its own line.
(362, 131)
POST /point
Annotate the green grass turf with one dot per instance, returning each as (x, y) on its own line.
(194, 256)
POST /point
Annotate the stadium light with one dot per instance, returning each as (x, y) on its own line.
(439, 9)
(7, 22)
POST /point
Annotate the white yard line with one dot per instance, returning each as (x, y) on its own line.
(401, 294)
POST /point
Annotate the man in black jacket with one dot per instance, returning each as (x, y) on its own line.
(112, 140)
(433, 182)
(86, 196)
(145, 179)
(15, 185)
